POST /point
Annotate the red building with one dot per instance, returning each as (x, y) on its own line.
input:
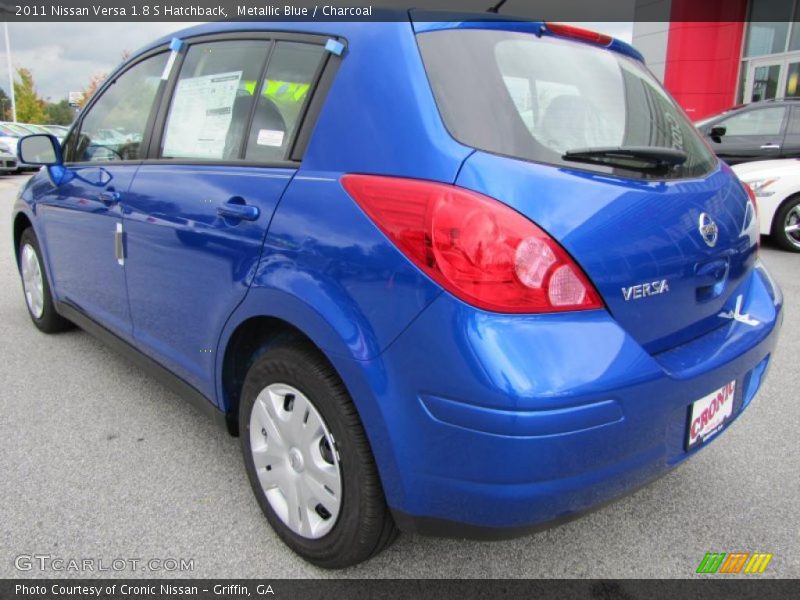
(713, 54)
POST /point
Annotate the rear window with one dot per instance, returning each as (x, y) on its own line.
(534, 98)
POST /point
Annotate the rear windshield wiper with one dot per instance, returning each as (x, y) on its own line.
(638, 158)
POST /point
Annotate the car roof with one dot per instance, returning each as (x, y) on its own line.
(401, 18)
(749, 106)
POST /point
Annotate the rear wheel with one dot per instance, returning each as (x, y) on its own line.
(786, 225)
(308, 459)
(34, 284)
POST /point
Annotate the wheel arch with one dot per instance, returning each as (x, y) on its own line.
(21, 223)
(790, 198)
(249, 340)
(776, 229)
(251, 330)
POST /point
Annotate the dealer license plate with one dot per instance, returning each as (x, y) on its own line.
(709, 414)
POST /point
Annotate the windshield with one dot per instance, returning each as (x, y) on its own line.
(534, 98)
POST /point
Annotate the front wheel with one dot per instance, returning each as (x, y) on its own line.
(786, 225)
(308, 459)
(38, 298)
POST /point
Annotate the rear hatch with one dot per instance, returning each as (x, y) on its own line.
(664, 231)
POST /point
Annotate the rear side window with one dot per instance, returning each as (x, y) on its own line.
(226, 106)
(212, 101)
(284, 94)
(115, 123)
(532, 98)
(763, 121)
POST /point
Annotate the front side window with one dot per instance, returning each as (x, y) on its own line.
(212, 101)
(114, 126)
(763, 121)
(537, 99)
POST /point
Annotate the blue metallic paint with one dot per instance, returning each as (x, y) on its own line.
(476, 417)
(80, 224)
(188, 265)
(655, 226)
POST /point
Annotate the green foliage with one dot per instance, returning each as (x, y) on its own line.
(30, 108)
(59, 113)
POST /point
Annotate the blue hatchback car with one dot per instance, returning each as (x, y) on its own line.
(463, 278)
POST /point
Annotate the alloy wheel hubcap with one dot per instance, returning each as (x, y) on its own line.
(296, 461)
(32, 282)
(791, 226)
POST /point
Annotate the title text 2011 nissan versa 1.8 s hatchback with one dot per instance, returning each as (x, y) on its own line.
(464, 278)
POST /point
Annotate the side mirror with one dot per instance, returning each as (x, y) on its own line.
(717, 132)
(44, 149)
(40, 149)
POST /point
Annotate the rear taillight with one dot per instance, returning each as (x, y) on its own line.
(751, 198)
(477, 248)
(579, 33)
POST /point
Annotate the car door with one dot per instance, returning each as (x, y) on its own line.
(82, 217)
(791, 142)
(198, 212)
(751, 134)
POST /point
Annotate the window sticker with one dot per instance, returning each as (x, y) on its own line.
(202, 109)
(270, 137)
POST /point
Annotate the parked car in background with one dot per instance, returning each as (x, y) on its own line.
(20, 128)
(57, 130)
(36, 128)
(776, 184)
(480, 299)
(8, 158)
(10, 137)
(757, 131)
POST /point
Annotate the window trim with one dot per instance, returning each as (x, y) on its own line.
(76, 128)
(306, 119)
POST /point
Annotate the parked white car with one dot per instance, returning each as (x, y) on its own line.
(776, 184)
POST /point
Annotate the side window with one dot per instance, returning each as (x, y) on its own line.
(213, 99)
(115, 124)
(286, 89)
(764, 121)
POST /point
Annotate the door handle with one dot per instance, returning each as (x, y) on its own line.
(771, 146)
(108, 197)
(238, 210)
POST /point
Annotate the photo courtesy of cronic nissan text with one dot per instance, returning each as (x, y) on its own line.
(377, 299)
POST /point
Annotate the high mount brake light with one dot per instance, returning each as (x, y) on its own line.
(579, 33)
(477, 248)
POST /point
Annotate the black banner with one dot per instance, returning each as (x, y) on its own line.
(302, 10)
(349, 589)
(369, 10)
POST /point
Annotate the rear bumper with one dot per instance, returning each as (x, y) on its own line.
(487, 425)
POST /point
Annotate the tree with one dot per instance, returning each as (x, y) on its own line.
(5, 106)
(59, 113)
(95, 82)
(30, 108)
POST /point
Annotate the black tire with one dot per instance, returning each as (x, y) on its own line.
(49, 321)
(779, 236)
(364, 525)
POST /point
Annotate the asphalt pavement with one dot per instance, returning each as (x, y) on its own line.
(100, 462)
